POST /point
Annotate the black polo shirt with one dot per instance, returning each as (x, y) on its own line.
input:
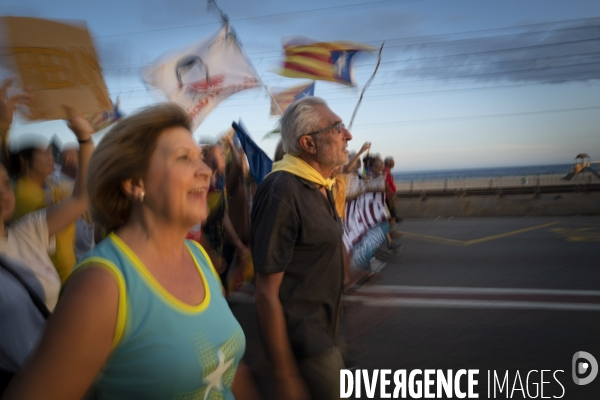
(296, 230)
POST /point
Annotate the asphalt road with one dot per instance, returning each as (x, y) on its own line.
(493, 294)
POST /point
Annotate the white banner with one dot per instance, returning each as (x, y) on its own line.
(201, 76)
(363, 213)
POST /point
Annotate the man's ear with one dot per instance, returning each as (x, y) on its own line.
(133, 188)
(308, 144)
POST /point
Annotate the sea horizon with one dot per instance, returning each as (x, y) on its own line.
(483, 172)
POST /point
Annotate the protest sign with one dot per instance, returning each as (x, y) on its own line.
(58, 62)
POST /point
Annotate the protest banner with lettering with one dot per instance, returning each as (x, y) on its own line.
(58, 62)
(365, 212)
(366, 215)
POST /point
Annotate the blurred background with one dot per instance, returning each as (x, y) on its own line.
(484, 106)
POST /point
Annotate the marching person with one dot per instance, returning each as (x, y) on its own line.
(30, 238)
(29, 284)
(298, 253)
(143, 315)
(390, 193)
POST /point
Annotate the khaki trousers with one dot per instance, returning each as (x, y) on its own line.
(322, 374)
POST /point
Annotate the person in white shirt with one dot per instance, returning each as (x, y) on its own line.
(30, 238)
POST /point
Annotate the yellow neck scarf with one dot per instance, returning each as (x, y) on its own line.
(297, 166)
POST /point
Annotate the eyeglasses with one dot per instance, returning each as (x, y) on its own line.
(337, 126)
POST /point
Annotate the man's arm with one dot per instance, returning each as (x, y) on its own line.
(271, 321)
(275, 226)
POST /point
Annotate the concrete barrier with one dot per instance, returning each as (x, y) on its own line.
(511, 205)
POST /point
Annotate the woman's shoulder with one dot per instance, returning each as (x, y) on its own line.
(106, 255)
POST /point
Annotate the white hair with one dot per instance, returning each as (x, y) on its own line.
(299, 119)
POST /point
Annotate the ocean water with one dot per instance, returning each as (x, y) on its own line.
(530, 170)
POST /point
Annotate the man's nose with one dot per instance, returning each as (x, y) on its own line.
(347, 134)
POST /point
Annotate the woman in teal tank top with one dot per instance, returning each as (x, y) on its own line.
(143, 315)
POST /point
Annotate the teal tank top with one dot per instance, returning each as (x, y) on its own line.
(163, 348)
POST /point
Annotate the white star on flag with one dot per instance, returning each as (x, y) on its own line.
(215, 378)
(341, 62)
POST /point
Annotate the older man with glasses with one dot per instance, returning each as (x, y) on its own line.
(298, 254)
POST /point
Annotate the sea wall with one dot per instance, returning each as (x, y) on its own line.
(524, 183)
(506, 205)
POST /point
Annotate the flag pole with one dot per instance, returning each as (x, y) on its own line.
(365, 88)
(225, 19)
(273, 100)
(224, 16)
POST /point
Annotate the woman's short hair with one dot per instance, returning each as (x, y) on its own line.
(124, 153)
(299, 119)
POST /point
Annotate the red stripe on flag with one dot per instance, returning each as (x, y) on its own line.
(306, 70)
(312, 55)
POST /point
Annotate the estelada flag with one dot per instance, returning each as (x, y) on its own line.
(286, 97)
(201, 76)
(329, 61)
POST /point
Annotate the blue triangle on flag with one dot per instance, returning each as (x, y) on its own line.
(342, 60)
(309, 91)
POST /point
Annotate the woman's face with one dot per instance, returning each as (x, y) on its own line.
(177, 180)
(7, 196)
(42, 161)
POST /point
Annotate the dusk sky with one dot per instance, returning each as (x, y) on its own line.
(462, 84)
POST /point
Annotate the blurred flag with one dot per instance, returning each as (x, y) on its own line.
(201, 76)
(104, 119)
(330, 61)
(260, 163)
(286, 97)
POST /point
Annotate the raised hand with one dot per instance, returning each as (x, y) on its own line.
(365, 147)
(8, 105)
(80, 126)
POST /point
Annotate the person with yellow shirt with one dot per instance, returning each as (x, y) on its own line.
(33, 164)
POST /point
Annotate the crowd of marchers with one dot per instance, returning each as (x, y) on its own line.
(116, 262)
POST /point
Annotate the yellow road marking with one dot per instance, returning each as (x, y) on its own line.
(583, 239)
(579, 235)
(431, 239)
(454, 242)
(579, 223)
(488, 238)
